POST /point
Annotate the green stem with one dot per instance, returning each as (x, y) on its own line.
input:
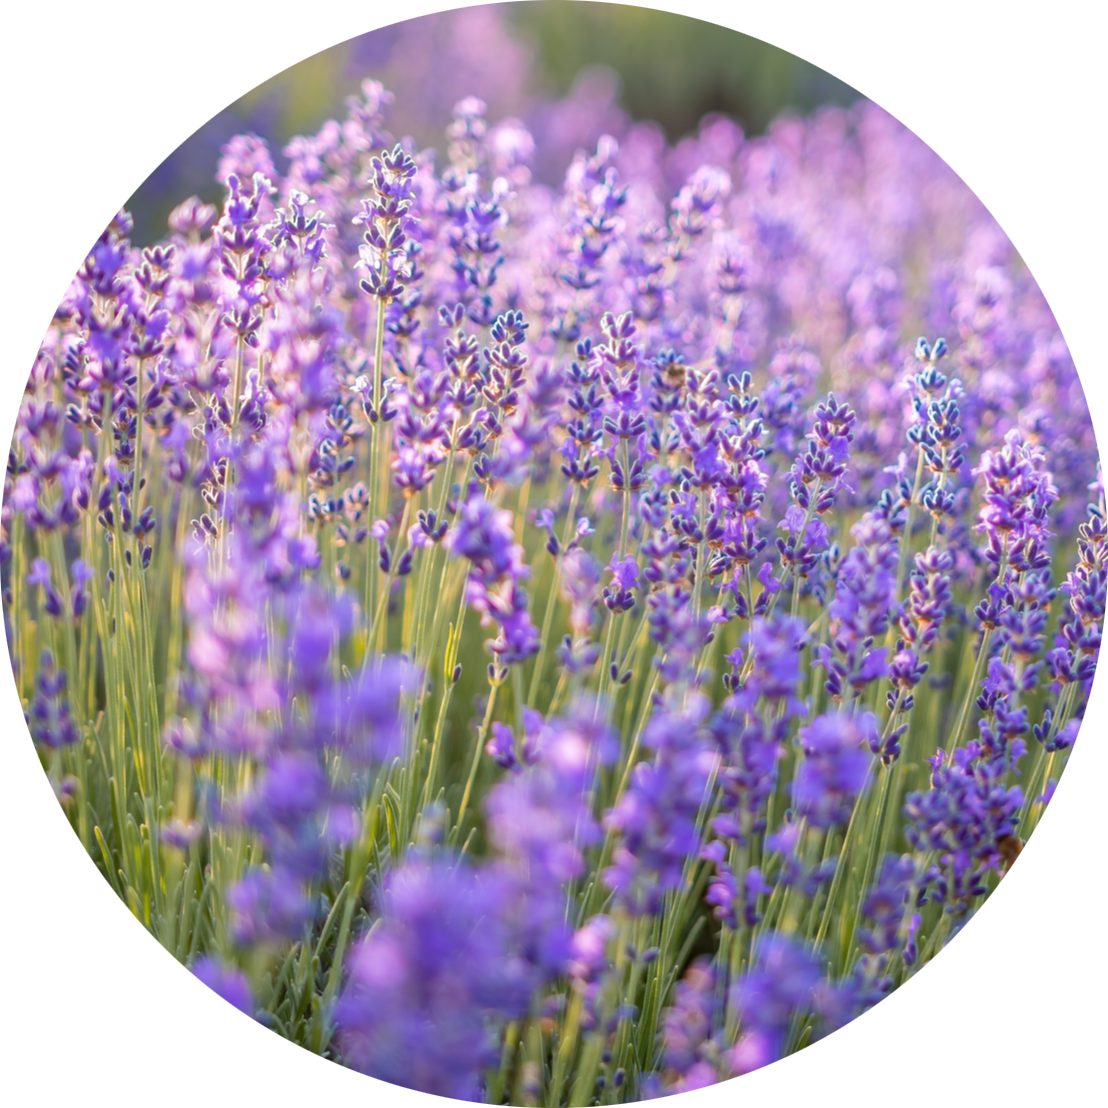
(906, 538)
(552, 600)
(971, 693)
(479, 746)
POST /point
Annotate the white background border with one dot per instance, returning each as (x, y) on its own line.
(96, 95)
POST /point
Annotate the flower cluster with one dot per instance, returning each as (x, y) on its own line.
(556, 642)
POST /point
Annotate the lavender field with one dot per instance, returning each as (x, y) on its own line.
(557, 645)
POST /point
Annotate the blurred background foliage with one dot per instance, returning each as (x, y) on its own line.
(569, 70)
(671, 68)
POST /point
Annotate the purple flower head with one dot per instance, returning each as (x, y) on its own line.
(316, 623)
(483, 534)
(362, 715)
(302, 345)
(505, 606)
(678, 631)
(929, 598)
(776, 646)
(749, 736)
(687, 1029)
(501, 747)
(970, 817)
(296, 812)
(838, 1002)
(722, 891)
(699, 201)
(1066, 736)
(865, 596)
(656, 819)
(540, 824)
(1017, 497)
(784, 840)
(230, 984)
(23, 496)
(754, 885)
(181, 833)
(588, 948)
(425, 984)
(886, 902)
(580, 577)
(48, 715)
(40, 575)
(778, 985)
(619, 594)
(192, 216)
(269, 906)
(82, 574)
(836, 766)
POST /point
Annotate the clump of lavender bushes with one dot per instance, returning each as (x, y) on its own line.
(557, 646)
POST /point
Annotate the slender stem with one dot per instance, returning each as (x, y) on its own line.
(552, 599)
(626, 512)
(378, 629)
(359, 860)
(906, 537)
(377, 448)
(971, 694)
(478, 747)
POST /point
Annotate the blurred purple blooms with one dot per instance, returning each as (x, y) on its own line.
(428, 985)
(835, 767)
(230, 984)
(656, 819)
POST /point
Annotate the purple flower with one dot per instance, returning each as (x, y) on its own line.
(865, 593)
(181, 833)
(776, 646)
(751, 739)
(699, 201)
(886, 902)
(722, 893)
(269, 906)
(929, 598)
(1017, 496)
(778, 985)
(656, 819)
(506, 606)
(835, 768)
(425, 986)
(754, 885)
(483, 534)
(48, 715)
(588, 948)
(227, 983)
(970, 817)
(40, 575)
(687, 1029)
(501, 747)
(82, 574)
(580, 576)
(363, 713)
(619, 595)
(838, 1002)
(540, 823)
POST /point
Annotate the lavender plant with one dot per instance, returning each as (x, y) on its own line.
(556, 646)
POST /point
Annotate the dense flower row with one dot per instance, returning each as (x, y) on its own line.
(742, 557)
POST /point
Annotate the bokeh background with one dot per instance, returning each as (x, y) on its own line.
(570, 71)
